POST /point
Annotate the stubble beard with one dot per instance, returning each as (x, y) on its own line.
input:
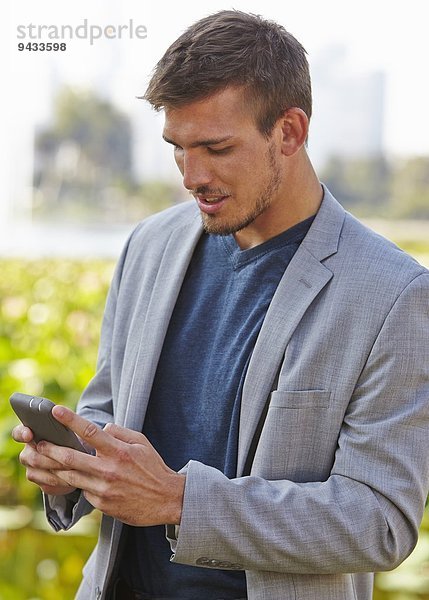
(213, 225)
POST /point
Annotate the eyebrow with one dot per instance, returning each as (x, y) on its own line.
(208, 142)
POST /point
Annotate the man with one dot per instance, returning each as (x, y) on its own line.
(277, 362)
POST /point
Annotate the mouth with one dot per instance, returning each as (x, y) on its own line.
(210, 204)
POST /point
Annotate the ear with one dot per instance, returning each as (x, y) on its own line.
(294, 127)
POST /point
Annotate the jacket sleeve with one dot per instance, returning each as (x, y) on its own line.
(365, 516)
(96, 404)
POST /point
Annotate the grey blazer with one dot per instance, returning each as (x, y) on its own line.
(341, 470)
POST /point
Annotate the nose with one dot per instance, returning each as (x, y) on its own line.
(195, 171)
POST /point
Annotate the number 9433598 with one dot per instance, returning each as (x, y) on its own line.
(42, 46)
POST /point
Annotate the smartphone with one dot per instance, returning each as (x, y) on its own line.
(36, 413)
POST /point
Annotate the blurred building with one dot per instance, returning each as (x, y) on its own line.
(349, 108)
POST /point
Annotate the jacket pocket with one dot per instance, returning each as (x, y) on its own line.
(298, 399)
(298, 439)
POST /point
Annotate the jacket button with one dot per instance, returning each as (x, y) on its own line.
(215, 563)
(97, 593)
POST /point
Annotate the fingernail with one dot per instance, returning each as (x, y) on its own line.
(59, 411)
(26, 436)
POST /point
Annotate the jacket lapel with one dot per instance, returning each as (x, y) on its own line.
(171, 272)
(304, 278)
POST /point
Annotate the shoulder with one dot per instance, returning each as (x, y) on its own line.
(165, 222)
(154, 231)
(369, 272)
(150, 239)
(378, 256)
(361, 254)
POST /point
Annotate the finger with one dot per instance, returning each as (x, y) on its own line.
(48, 481)
(77, 469)
(68, 458)
(20, 433)
(30, 457)
(126, 435)
(86, 430)
(80, 480)
(57, 490)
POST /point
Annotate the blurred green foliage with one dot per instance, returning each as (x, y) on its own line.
(35, 564)
(49, 329)
(50, 315)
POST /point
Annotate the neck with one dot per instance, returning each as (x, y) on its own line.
(298, 198)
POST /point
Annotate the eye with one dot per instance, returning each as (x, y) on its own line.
(178, 154)
(219, 150)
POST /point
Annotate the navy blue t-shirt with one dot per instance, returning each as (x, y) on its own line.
(194, 407)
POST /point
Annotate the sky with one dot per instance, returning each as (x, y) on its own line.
(377, 34)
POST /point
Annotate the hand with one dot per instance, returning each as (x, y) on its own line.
(126, 479)
(40, 469)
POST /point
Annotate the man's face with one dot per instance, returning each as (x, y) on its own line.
(231, 169)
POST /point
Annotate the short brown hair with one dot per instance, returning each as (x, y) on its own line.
(234, 48)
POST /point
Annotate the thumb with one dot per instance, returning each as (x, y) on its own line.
(126, 435)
